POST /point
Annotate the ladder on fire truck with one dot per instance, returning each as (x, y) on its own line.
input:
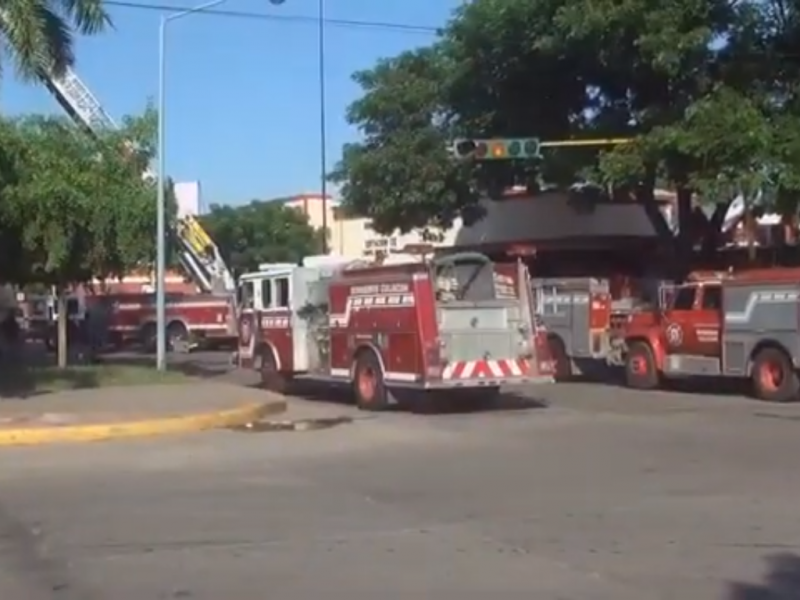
(199, 255)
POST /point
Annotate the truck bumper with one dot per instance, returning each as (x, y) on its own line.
(450, 384)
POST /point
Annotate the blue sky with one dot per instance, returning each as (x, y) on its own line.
(242, 98)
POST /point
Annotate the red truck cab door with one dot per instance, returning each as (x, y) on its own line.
(708, 319)
(679, 319)
(692, 324)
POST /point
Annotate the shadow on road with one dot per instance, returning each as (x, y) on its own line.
(28, 371)
(595, 372)
(26, 381)
(187, 365)
(215, 365)
(781, 581)
(420, 403)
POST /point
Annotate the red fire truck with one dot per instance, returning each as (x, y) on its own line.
(117, 312)
(742, 325)
(456, 323)
(192, 319)
(585, 324)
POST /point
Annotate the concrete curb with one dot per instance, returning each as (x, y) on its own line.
(225, 419)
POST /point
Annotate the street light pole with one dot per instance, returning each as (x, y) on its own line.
(161, 218)
(323, 128)
(161, 224)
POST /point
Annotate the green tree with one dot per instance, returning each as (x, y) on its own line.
(260, 232)
(497, 70)
(401, 175)
(78, 204)
(555, 69)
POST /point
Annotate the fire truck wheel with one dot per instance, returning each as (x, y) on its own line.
(774, 377)
(177, 337)
(368, 385)
(50, 341)
(559, 354)
(640, 367)
(271, 378)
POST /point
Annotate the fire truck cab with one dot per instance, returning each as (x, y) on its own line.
(722, 325)
(455, 323)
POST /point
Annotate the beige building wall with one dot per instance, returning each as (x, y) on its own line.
(355, 237)
(314, 208)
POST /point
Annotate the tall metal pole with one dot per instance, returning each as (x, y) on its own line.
(161, 242)
(161, 218)
(323, 127)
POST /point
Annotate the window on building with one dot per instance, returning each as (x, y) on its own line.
(684, 298)
(282, 292)
(266, 293)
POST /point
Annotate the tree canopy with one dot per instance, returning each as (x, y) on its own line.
(260, 232)
(707, 90)
(72, 206)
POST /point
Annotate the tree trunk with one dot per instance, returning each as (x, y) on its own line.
(63, 320)
(645, 195)
(713, 229)
(685, 241)
(750, 227)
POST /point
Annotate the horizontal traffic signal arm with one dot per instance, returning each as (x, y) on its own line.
(518, 148)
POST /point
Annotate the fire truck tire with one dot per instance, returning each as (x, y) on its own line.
(558, 352)
(369, 388)
(177, 336)
(50, 340)
(774, 377)
(271, 378)
(640, 367)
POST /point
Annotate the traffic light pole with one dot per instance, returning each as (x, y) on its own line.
(585, 143)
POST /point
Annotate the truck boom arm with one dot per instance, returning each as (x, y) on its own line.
(199, 254)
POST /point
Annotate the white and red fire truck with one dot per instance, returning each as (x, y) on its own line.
(457, 322)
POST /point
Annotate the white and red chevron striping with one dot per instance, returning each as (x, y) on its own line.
(486, 369)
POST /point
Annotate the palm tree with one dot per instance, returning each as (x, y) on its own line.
(38, 34)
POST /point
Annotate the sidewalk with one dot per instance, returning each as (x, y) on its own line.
(106, 413)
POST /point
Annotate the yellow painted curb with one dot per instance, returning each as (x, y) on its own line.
(236, 417)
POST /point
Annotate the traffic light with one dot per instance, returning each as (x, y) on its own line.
(496, 149)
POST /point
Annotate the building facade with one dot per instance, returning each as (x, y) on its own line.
(354, 237)
(544, 219)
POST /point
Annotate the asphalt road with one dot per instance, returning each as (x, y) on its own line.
(603, 494)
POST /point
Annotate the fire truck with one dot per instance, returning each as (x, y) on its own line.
(205, 317)
(744, 325)
(455, 323)
(585, 323)
(206, 313)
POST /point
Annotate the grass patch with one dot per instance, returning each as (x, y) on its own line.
(21, 380)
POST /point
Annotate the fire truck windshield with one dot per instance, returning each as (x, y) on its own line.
(684, 298)
(464, 277)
